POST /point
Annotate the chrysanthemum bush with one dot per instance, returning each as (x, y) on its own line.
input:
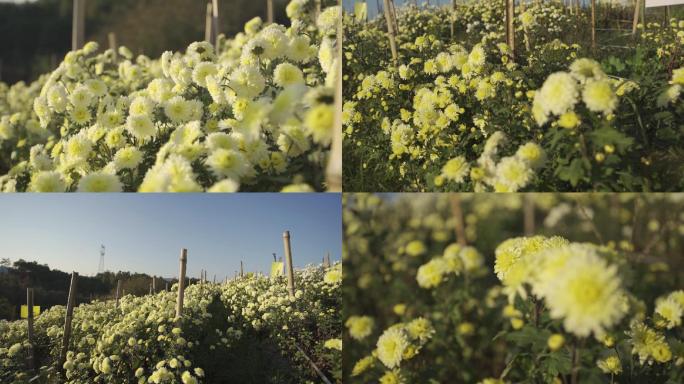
(572, 118)
(448, 288)
(244, 330)
(253, 113)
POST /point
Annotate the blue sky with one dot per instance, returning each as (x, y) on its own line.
(145, 232)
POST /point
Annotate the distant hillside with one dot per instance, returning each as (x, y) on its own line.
(51, 286)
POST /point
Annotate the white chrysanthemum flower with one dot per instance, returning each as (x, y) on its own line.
(81, 97)
(99, 182)
(140, 126)
(226, 163)
(431, 274)
(585, 69)
(587, 296)
(159, 90)
(532, 153)
(286, 74)
(391, 346)
(670, 311)
(512, 174)
(247, 82)
(225, 186)
(80, 115)
(178, 109)
(326, 55)
(293, 139)
(300, 49)
(599, 96)
(57, 98)
(78, 148)
(201, 71)
(127, 158)
(96, 87)
(39, 158)
(215, 91)
(319, 122)
(141, 105)
(175, 174)
(456, 169)
(47, 181)
(477, 57)
(558, 94)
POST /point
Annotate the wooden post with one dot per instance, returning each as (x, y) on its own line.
(288, 258)
(242, 270)
(111, 36)
(528, 214)
(166, 286)
(67, 321)
(269, 11)
(214, 279)
(118, 292)
(181, 283)
(390, 31)
(593, 26)
(215, 23)
(510, 26)
(154, 284)
(207, 23)
(29, 305)
(334, 168)
(453, 17)
(78, 25)
(393, 14)
(635, 22)
(457, 212)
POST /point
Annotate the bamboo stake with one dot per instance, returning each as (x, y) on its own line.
(390, 31)
(510, 26)
(288, 258)
(181, 284)
(111, 37)
(215, 23)
(78, 25)
(394, 17)
(242, 270)
(635, 22)
(334, 168)
(154, 284)
(67, 321)
(453, 17)
(118, 292)
(457, 212)
(269, 11)
(207, 23)
(29, 305)
(528, 213)
(593, 26)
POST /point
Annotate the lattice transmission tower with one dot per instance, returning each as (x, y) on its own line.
(100, 268)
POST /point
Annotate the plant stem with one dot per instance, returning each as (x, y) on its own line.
(575, 364)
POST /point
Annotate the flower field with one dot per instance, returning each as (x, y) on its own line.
(458, 111)
(254, 113)
(245, 330)
(576, 288)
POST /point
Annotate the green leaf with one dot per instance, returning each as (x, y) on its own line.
(610, 135)
(573, 172)
(529, 335)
